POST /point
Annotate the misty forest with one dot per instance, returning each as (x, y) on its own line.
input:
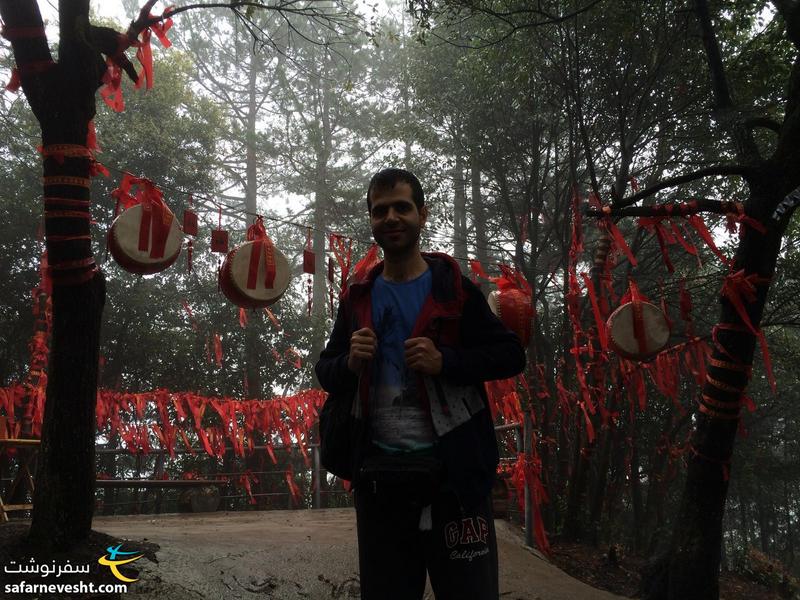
(578, 156)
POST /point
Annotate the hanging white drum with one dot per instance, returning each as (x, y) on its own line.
(255, 274)
(638, 330)
(145, 238)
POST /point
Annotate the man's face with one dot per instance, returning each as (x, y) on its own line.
(395, 220)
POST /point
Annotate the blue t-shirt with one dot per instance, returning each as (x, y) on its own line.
(398, 418)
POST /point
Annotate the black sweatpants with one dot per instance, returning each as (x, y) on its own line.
(459, 552)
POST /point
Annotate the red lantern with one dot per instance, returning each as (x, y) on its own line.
(514, 308)
(190, 220)
(219, 237)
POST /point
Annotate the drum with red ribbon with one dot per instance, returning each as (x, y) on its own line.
(514, 308)
(145, 238)
(638, 330)
(255, 274)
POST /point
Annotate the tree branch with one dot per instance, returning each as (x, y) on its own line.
(671, 210)
(764, 122)
(790, 11)
(746, 148)
(24, 28)
(741, 170)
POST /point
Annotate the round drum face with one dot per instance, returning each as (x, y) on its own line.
(235, 274)
(622, 330)
(124, 243)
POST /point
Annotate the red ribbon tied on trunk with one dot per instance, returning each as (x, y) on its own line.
(738, 289)
(263, 245)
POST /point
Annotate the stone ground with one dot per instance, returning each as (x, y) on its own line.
(292, 555)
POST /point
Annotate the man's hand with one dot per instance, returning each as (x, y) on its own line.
(423, 356)
(362, 348)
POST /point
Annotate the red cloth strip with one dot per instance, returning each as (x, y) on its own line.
(263, 246)
(699, 225)
(638, 318)
(716, 414)
(72, 264)
(66, 214)
(68, 280)
(721, 364)
(619, 240)
(723, 386)
(83, 182)
(67, 238)
(59, 151)
(602, 331)
(732, 405)
(111, 92)
(66, 201)
(725, 464)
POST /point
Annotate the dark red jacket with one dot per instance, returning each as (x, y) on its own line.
(475, 346)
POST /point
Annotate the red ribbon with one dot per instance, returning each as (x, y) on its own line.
(739, 288)
(638, 321)
(262, 246)
(664, 237)
(619, 239)
(365, 265)
(111, 92)
(600, 322)
(699, 225)
(155, 216)
(218, 349)
(477, 269)
(309, 260)
(342, 249)
(144, 52)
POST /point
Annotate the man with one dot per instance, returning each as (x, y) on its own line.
(412, 344)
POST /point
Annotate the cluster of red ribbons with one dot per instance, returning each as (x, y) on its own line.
(141, 418)
(504, 400)
(739, 288)
(144, 52)
(341, 247)
(527, 470)
(606, 380)
(111, 92)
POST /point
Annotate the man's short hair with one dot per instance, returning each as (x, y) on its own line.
(386, 179)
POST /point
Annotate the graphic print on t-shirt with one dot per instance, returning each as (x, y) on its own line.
(399, 419)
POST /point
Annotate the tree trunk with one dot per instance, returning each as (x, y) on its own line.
(61, 96)
(322, 201)
(459, 212)
(479, 217)
(597, 497)
(691, 569)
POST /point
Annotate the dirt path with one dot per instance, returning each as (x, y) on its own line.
(288, 555)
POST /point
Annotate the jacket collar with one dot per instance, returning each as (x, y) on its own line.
(446, 288)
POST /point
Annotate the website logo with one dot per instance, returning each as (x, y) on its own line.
(111, 561)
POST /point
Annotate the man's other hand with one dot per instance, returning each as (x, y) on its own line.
(423, 356)
(362, 348)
